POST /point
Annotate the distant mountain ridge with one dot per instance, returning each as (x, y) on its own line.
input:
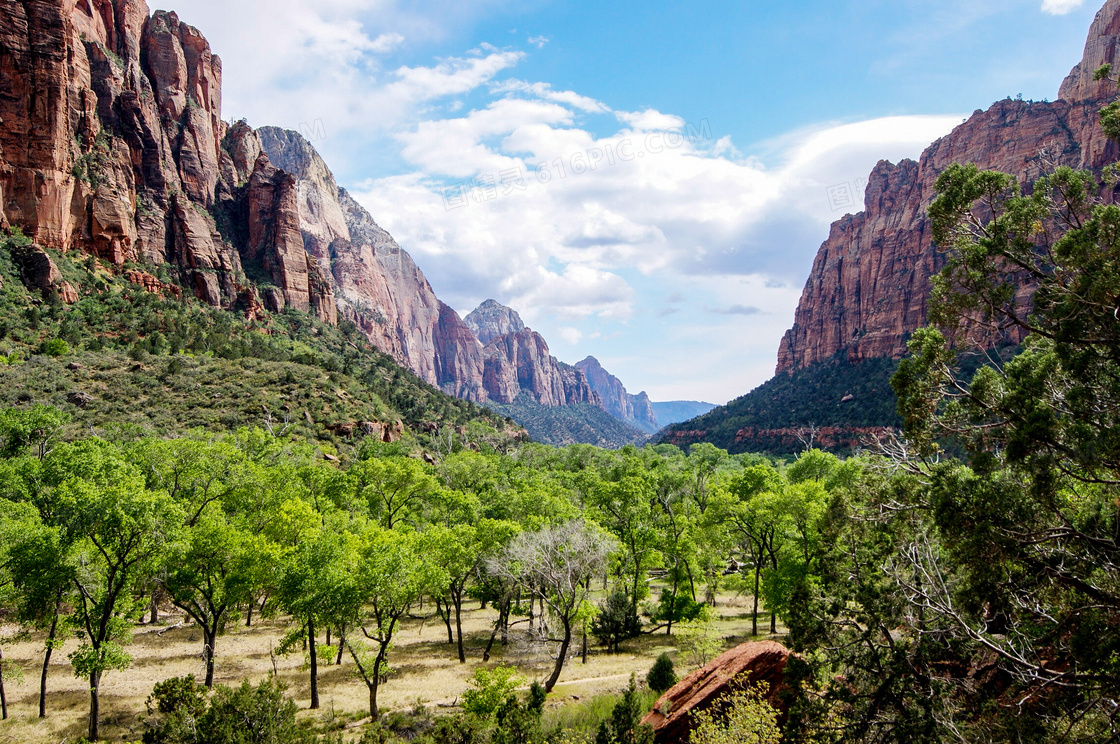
(676, 411)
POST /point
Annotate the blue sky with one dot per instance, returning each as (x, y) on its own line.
(646, 182)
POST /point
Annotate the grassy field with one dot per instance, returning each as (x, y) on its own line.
(425, 671)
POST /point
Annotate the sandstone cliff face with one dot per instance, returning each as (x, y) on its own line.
(635, 410)
(870, 281)
(112, 143)
(520, 363)
(489, 357)
(376, 284)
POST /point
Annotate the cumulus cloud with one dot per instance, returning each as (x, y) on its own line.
(1061, 7)
(615, 232)
(634, 231)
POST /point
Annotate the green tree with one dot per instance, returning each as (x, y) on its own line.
(616, 621)
(389, 571)
(208, 573)
(661, 675)
(125, 528)
(392, 487)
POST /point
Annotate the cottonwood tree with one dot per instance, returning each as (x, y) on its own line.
(41, 571)
(387, 572)
(124, 528)
(208, 573)
(391, 487)
(558, 563)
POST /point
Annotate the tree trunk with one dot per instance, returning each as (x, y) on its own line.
(341, 644)
(249, 614)
(564, 646)
(209, 636)
(94, 706)
(672, 605)
(47, 652)
(375, 682)
(458, 600)
(314, 664)
(754, 616)
(329, 636)
(3, 696)
(446, 617)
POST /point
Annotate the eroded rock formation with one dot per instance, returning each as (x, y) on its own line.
(870, 281)
(635, 410)
(112, 143)
(756, 663)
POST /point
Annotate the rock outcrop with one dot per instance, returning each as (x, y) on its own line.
(635, 410)
(520, 362)
(762, 662)
(491, 319)
(870, 281)
(112, 143)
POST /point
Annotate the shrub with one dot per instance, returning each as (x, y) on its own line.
(661, 675)
(55, 347)
(241, 715)
(617, 620)
(625, 726)
(173, 711)
(489, 690)
(740, 717)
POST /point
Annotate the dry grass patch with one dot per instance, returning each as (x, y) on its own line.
(425, 667)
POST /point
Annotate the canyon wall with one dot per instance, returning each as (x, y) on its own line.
(870, 281)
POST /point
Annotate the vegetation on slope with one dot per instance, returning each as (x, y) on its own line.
(123, 355)
(815, 396)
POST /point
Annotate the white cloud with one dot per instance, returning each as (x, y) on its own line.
(538, 41)
(386, 43)
(571, 335)
(606, 220)
(660, 215)
(545, 91)
(649, 120)
(1061, 7)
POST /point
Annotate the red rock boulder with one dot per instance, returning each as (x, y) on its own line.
(762, 662)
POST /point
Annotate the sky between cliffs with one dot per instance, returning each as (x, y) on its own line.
(644, 181)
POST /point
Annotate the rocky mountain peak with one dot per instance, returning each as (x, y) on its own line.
(1101, 48)
(492, 319)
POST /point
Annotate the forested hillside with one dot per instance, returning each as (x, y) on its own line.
(131, 350)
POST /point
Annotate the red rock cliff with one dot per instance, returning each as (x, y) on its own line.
(112, 143)
(489, 356)
(870, 281)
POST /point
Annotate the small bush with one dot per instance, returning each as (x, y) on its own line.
(489, 690)
(661, 676)
(55, 347)
(741, 717)
(617, 620)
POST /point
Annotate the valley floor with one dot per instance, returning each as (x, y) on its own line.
(425, 671)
